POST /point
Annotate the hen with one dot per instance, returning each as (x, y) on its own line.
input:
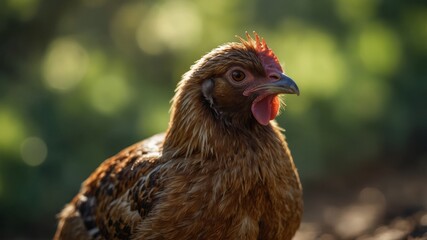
(222, 170)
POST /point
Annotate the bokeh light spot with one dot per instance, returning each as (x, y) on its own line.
(109, 93)
(174, 25)
(423, 220)
(65, 64)
(24, 8)
(33, 151)
(355, 11)
(379, 49)
(314, 59)
(11, 130)
(124, 25)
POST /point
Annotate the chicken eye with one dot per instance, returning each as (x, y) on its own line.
(238, 75)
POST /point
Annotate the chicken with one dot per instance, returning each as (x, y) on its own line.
(222, 170)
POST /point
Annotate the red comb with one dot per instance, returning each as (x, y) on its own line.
(268, 58)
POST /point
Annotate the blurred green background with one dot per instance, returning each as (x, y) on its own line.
(82, 79)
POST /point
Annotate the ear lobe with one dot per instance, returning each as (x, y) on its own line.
(207, 90)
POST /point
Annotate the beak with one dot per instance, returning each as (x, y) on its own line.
(284, 85)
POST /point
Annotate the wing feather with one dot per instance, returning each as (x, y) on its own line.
(119, 194)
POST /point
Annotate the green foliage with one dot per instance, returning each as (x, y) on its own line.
(80, 80)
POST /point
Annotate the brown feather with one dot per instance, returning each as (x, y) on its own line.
(208, 177)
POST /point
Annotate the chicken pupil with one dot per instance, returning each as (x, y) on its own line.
(238, 75)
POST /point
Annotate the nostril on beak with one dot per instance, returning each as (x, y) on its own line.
(274, 76)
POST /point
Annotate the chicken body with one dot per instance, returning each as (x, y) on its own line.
(222, 170)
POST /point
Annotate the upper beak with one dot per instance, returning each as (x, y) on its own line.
(284, 85)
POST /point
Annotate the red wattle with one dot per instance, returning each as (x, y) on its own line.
(275, 106)
(265, 109)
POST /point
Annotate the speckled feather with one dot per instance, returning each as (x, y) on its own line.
(208, 177)
(118, 193)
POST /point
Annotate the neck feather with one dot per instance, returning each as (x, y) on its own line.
(195, 130)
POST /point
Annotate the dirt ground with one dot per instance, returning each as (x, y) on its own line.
(375, 203)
